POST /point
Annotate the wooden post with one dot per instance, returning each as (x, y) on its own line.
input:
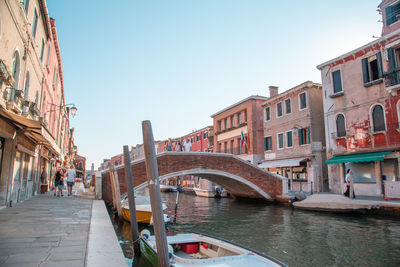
(351, 185)
(117, 193)
(131, 199)
(155, 196)
(111, 172)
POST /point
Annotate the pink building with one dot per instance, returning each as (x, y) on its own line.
(361, 94)
(199, 139)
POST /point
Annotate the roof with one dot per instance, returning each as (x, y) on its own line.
(253, 97)
(384, 38)
(296, 88)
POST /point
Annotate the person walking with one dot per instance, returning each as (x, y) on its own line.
(59, 178)
(169, 145)
(71, 175)
(187, 145)
(349, 184)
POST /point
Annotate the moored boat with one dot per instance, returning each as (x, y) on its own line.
(143, 210)
(202, 250)
(167, 188)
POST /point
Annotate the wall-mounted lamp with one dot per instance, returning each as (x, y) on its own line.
(296, 128)
(71, 107)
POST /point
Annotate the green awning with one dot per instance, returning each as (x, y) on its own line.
(358, 157)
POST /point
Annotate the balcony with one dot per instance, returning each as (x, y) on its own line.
(392, 80)
(15, 100)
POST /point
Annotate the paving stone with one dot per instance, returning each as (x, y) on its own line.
(64, 256)
(69, 263)
(27, 257)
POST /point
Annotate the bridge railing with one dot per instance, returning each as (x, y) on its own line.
(236, 150)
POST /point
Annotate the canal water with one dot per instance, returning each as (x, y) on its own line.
(295, 237)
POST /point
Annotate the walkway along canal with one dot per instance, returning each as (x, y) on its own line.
(295, 237)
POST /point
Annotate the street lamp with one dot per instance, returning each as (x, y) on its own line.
(71, 108)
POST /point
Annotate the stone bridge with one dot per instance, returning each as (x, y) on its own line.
(239, 177)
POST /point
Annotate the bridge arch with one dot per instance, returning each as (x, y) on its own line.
(222, 178)
(239, 177)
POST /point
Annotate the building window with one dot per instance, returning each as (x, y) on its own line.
(239, 119)
(55, 78)
(340, 126)
(280, 140)
(197, 138)
(15, 69)
(34, 23)
(279, 109)
(239, 145)
(245, 115)
(267, 114)
(219, 125)
(304, 136)
(226, 124)
(80, 165)
(205, 135)
(192, 140)
(378, 119)
(303, 100)
(232, 123)
(394, 60)
(42, 51)
(398, 114)
(226, 147)
(232, 145)
(288, 106)
(289, 139)
(337, 82)
(48, 55)
(392, 13)
(219, 148)
(26, 6)
(372, 68)
(268, 143)
(27, 85)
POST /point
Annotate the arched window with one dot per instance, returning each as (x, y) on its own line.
(378, 119)
(340, 125)
(27, 85)
(16, 67)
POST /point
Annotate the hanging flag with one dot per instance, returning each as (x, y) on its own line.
(242, 140)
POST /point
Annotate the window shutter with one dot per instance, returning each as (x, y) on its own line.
(392, 66)
(389, 15)
(265, 144)
(337, 82)
(392, 60)
(379, 61)
(364, 63)
(300, 134)
(308, 135)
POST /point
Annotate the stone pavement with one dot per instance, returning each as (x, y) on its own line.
(56, 231)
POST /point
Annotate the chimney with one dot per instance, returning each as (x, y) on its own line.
(273, 91)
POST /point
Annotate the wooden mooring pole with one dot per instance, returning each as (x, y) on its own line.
(155, 196)
(131, 199)
(116, 190)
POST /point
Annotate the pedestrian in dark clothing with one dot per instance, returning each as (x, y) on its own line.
(59, 182)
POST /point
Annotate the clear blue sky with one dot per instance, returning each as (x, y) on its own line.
(176, 62)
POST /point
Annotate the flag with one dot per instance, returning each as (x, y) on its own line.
(242, 140)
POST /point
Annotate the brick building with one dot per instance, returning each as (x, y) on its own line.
(294, 138)
(243, 118)
(80, 166)
(199, 139)
(361, 94)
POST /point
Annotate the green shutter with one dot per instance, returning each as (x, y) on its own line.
(392, 66)
(379, 61)
(300, 134)
(389, 15)
(365, 71)
(337, 82)
(265, 144)
(308, 135)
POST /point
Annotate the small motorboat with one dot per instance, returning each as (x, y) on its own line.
(202, 250)
(167, 188)
(143, 210)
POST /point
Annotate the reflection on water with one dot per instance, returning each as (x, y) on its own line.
(298, 238)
